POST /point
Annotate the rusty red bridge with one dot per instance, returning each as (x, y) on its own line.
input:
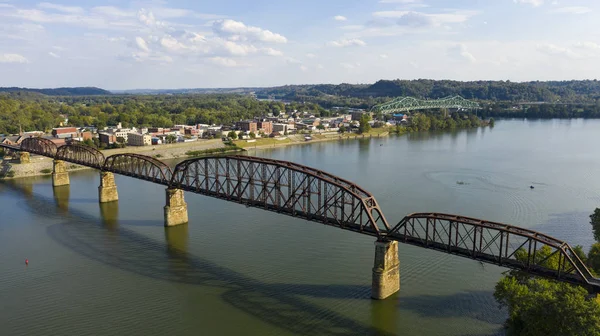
(295, 190)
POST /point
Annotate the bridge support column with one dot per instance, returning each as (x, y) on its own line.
(60, 176)
(24, 157)
(386, 270)
(176, 209)
(107, 191)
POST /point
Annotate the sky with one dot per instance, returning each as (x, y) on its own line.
(160, 44)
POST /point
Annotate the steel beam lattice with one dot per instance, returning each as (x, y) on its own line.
(495, 243)
(79, 154)
(405, 104)
(139, 166)
(283, 187)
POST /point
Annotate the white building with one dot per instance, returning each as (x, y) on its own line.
(136, 139)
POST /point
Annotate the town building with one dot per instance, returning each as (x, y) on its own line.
(265, 126)
(107, 138)
(137, 139)
(357, 114)
(247, 126)
(281, 128)
(64, 132)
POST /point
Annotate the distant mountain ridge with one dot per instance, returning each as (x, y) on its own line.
(64, 91)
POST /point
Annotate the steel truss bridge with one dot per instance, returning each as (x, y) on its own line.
(406, 104)
(295, 190)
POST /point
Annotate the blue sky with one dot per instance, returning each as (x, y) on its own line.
(230, 43)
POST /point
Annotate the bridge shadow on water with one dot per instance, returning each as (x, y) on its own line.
(105, 240)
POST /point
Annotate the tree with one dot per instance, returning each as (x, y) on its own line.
(593, 258)
(595, 221)
(252, 135)
(342, 129)
(320, 127)
(121, 140)
(548, 308)
(364, 127)
(170, 139)
(232, 135)
(492, 122)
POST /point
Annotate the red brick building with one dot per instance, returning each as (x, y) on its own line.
(247, 126)
(266, 127)
(64, 132)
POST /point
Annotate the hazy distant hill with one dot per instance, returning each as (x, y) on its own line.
(186, 91)
(67, 91)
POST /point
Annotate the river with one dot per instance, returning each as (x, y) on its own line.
(115, 270)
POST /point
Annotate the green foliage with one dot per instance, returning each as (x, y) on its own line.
(546, 308)
(252, 135)
(46, 171)
(8, 174)
(364, 127)
(492, 122)
(228, 148)
(595, 221)
(170, 139)
(89, 143)
(232, 135)
(580, 253)
(593, 258)
(2, 152)
(342, 129)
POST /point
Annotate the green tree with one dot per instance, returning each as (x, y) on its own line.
(320, 127)
(595, 221)
(232, 135)
(252, 135)
(170, 139)
(593, 258)
(364, 126)
(121, 140)
(342, 129)
(492, 122)
(548, 308)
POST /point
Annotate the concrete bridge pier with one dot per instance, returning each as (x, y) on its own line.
(60, 176)
(176, 209)
(386, 270)
(24, 157)
(107, 191)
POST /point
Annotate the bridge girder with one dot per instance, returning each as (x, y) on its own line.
(39, 146)
(405, 104)
(139, 166)
(79, 154)
(285, 188)
(495, 243)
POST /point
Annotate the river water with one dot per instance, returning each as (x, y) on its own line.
(115, 270)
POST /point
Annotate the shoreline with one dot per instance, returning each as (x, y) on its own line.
(166, 152)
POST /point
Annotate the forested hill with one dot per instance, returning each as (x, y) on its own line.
(585, 91)
(67, 91)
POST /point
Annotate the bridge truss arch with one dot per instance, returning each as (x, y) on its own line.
(139, 166)
(83, 155)
(406, 104)
(495, 243)
(283, 187)
(39, 146)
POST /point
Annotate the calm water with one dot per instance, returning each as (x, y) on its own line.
(114, 269)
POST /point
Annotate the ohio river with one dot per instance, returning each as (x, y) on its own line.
(115, 270)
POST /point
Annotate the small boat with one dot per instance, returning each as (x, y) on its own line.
(531, 187)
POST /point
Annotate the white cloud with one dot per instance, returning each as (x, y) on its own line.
(304, 68)
(534, 3)
(12, 58)
(141, 43)
(572, 10)
(61, 8)
(384, 56)
(587, 45)
(551, 49)
(419, 19)
(348, 43)
(225, 62)
(350, 66)
(236, 30)
(309, 55)
(172, 44)
(112, 11)
(146, 17)
(53, 55)
(339, 18)
(272, 52)
(460, 51)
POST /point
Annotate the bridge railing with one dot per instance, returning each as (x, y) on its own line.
(495, 243)
(283, 187)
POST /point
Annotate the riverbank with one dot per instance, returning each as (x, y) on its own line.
(42, 166)
(299, 139)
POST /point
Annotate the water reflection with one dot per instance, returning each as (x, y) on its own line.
(276, 304)
(61, 197)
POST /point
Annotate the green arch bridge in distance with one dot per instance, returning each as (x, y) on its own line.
(405, 104)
